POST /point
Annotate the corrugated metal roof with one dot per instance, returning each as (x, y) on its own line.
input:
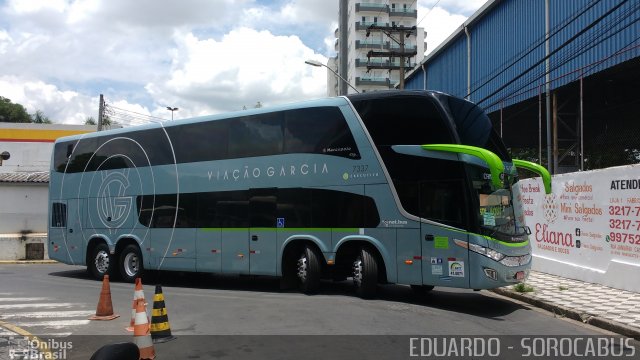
(38, 177)
(507, 52)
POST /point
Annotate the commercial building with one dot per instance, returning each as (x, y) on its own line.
(24, 180)
(559, 79)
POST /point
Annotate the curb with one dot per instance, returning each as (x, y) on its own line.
(9, 262)
(573, 314)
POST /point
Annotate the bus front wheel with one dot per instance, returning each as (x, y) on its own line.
(130, 263)
(100, 263)
(365, 274)
(308, 271)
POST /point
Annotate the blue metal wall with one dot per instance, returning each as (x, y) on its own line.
(508, 50)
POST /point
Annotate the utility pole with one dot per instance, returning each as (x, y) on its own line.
(402, 33)
(100, 112)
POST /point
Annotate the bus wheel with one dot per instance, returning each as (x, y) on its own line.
(130, 263)
(101, 262)
(308, 271)
(365, 274)
(421, 289)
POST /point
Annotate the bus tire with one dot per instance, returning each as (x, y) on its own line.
(365, 274)
(100, 262)
(421, 289)
(130, 263)
(308, 270)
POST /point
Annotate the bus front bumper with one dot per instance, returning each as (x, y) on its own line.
(492, 274)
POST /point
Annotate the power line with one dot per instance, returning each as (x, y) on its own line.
(539, 42)
(428, 12)
(582, 46)
(564, 44)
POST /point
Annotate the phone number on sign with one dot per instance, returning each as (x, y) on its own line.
(624, 238)
(624, 224)
(624, 210)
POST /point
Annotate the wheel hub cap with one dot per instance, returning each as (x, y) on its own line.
(302, 268)
(131, 264)
(102, 261)
(357, 272)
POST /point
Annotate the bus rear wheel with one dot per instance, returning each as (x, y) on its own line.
(130, 263)
(101, 262)
(365, 274)
(308, 271)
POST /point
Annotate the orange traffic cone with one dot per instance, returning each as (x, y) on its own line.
(138, 293)
(142, 333)
(104, 310)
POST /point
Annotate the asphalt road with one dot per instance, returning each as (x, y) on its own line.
(235, 317)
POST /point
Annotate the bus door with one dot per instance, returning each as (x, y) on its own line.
(232, 215)
(444, 261)
(262, 231)
(58, 231)
(74, 233)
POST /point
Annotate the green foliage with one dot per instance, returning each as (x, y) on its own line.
(90, 121)
(523, 288)
(15, 113)
(40, 118)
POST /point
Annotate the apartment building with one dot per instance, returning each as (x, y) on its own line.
(369, 39)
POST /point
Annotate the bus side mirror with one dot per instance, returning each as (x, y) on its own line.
(544, 174)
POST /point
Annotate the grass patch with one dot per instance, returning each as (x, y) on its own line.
(523, 288)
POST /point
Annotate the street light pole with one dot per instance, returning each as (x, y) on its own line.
(319, 64)
(172, 109)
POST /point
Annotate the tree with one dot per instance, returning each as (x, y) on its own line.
(90, 121)
(10, 112)
(40, 118)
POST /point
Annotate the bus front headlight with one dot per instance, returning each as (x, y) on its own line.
(490, 253)
(512, 261)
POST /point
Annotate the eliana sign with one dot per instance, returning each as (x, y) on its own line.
(588, 228)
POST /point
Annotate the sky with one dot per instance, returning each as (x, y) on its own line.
(201, 56)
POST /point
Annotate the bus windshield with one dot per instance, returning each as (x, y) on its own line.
(496, 211)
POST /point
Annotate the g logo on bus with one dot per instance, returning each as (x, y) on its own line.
(113, 206)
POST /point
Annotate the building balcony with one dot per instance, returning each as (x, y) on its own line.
(370, 44)
(375, 81)
(405, 13)
(372, 62)
(365, 6)
(365, 25)
(407, 47)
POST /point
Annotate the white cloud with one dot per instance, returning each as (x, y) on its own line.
(244, 67)
(203, 56)
(65, 107)
(439, 24)
(462, 7)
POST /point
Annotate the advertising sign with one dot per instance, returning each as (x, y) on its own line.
(588, 228)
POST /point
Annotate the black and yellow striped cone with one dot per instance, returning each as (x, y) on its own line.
(160, 330)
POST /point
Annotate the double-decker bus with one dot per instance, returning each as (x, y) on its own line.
(406, 187)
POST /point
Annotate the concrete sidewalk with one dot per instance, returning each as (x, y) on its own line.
(6, 262)
(598, 305)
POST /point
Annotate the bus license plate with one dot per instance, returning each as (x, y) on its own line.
(520, 275)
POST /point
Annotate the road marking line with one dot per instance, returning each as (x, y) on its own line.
(48, 314)
(37, 305)
(54, 324)
(25, 299)
(20, 331)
